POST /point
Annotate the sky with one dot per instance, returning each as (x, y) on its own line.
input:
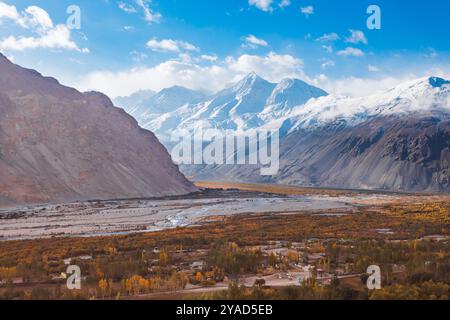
(120, 47)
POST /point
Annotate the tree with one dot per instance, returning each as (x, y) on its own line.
(260, 283)
(163, 258)
(103, 286)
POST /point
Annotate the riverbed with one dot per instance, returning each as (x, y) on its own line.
(103, 218)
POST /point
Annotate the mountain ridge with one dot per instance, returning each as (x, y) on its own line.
(60, 145)
(248, 103)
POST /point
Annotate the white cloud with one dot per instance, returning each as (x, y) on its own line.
(356, 36)
(349, 51)
(169, 45)
(210, 58)
(38, 21)
(372, 68)
(360, 87)
(37, 18)
(149, 15)
(329, 49)
(10, 12)
(285, 3)
(329, 37)
(253, 42)
(264, 5)
(273, 67)
(327, 64)
(138, 56)
(307, 11)
(126, 7)
(33, 17)
(164, 75)
(56, 38)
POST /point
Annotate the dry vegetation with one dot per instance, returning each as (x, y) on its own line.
(392, 234)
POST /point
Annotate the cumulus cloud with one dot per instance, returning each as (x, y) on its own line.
(10, 12)
(55, 38)
(356, 36)
(37, 18)
(273, 67)
(349, 51)
(307, 11)
(207, 57)
(253, 42)
(169, 45)
(193, 75)
(264, 5)
(329, 37)
(164, 75)
(38, 21)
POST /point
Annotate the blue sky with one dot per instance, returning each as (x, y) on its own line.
(129, 45)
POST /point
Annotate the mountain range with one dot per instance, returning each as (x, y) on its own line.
(398, 139)
(247, 104)
(60, 145)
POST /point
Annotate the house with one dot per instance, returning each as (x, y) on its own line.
(13, 281)
(197, 265)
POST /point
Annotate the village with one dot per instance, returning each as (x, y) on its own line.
(320, 250)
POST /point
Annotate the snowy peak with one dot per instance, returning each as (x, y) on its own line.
(423, 96)
(134, 100)
(420, 86)
(143, 104)
(294, 92)
(251, 83)
(291, 104)
(169, 99)
(179, 93)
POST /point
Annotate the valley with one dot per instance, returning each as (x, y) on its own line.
(101, 218)
(239, 241)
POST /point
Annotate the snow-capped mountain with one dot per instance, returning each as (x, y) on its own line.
(147, 105)
(247, 104)
(398, 139)
(421, 97)
(134, 103)
(395, 140)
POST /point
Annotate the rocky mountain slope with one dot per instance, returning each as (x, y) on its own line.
(387, 153)
(395, 140)
(60, 145)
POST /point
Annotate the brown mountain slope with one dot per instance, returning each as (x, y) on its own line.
(389, 153)
(58, 145)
